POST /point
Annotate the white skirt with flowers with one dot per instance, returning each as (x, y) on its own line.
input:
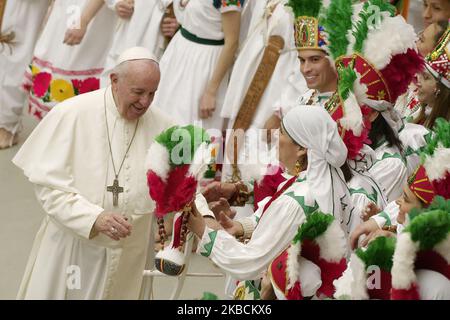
(58, 71)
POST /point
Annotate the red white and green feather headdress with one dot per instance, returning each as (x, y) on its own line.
(320, 240)
(424, 244)
(432, 178)
(309, 34)
(376, 59)
(176, 162)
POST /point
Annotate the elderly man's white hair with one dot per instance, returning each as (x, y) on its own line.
(131, 54)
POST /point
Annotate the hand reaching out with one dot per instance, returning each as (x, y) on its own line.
(216, 190)
(222, 206)
(370, 210)
(125, 9)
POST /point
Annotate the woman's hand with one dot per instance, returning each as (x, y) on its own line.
(216, 190)
(234, 228)
(169, 26)
(364, 228)
(375, 234)
(196, 222)
(207, 105)
(222, 206)
(125, 9)
(74, 37)
(370, 210)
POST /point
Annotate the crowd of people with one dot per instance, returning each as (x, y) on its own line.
(328, 125)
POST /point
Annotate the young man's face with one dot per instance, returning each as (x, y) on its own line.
(435, 10)
(317, 70)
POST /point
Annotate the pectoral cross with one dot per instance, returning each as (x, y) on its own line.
(115, 189)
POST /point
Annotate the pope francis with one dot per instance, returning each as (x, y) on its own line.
(86, 161)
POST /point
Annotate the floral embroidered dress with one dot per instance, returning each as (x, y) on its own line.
(190, 60)
(24, 18)
(58, 71)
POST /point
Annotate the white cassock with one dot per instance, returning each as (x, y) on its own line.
(141, 30)
(68, 159)
(24, 18)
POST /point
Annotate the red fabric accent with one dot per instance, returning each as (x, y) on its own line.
(156, 191)
(384, 292)
(330, 271)
(431, 260)
(177, 232)
(278, 194)
(353, 143)
(377, 89)
(278, 270)
(421, 182)
(268, 186)
(442, 186)
(295, 293)
(402, 294)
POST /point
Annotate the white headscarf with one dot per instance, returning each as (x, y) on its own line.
(314, 129)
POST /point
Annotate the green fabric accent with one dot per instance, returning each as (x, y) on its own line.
(387, 155)
(209, 296)
(410, 151)
(316, 224)
(300, 179)
(250, 286)
(187, 137)
(337, 22)
(386, 216)
(429, 228)
(379, 253)
(301, 201)
(371, 196)
(379, 144)
(192, 37)
(309, 8)
(347, 77)
(209, 246)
